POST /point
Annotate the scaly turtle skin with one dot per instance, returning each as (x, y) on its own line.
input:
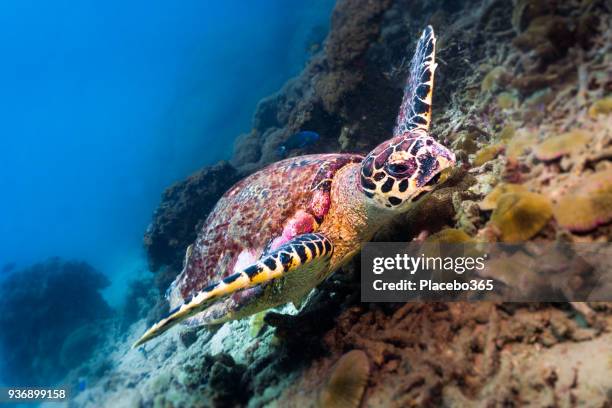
(278, 233)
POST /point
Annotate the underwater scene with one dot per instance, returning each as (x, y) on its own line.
(235, 204)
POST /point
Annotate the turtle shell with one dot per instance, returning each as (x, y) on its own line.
(254, 214)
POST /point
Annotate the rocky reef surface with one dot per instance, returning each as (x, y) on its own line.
(524, 96)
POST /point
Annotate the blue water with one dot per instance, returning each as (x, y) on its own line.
(103, 104)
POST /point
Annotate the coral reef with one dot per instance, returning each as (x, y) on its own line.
(462, 354)
(491, 199)
(589, 205)
(58, 304)
(519, 216)
(523, 96)
(562, 145)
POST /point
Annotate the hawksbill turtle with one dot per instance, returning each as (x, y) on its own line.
(278, 233)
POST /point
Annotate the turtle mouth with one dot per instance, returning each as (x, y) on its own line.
(427, 187)
(420, 195)
(434, 180)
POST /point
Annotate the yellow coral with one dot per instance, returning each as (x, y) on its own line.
(506, 133)
(506, 100)
(449, 236)
(487, 154)
(257, 323)
(446, 174)
(519, 216)
(347, 382)
(562, 145)
(601, 107)
(491, 78)
(465, 141)
(491, 200)
(519, 144)
(589, 206)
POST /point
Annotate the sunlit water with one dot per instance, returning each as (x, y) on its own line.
(105, 104)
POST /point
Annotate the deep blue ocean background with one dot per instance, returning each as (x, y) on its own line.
(105, 104)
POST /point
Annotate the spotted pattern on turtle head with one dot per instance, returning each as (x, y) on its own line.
(398, 170)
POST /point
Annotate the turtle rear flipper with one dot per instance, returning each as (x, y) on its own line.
(297, 254)
(415, 111)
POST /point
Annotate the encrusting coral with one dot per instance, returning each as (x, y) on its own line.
(601, 107)
(562, 145)
(347, 381)
(589, 205)
(449, 236)
(518, 216)
(506, 100)
(487, 154)
(523, 141)
(493, 78)
(491, 200)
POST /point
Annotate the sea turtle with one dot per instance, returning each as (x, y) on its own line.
(277, 234)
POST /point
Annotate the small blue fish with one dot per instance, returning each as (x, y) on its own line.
(298, 141)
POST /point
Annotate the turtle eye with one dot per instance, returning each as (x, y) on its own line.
(399, 169)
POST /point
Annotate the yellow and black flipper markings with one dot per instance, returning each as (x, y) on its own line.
(415, 112)
(300, 251)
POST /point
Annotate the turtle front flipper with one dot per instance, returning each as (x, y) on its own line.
(415, 112)
(299, 253)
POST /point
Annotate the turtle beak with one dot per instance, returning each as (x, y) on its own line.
(432, 182)
(445, 158)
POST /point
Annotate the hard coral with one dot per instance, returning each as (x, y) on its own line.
(519, 216)
(531, 82)
(519, 144)
(347, 382)
(449, 236)
(506, 100)
(562, 145)
(601, 107)
(491, 200)
(589, 206)
(493, 78)
(465, 141)
(354, 24)
(506, 133)
(487, 154)
(526, 10)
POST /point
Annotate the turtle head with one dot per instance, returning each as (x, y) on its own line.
(399, 171)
